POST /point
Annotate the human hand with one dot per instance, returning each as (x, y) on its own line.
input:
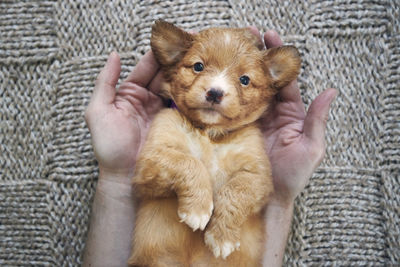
(119, 120)
(294, 138)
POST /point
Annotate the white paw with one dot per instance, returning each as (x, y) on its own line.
(224, 250)
(196, 221)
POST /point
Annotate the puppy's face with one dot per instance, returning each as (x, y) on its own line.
(221, 78)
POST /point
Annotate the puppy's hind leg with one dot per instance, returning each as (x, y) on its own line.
(159, 238)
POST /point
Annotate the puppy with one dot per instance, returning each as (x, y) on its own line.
(203, 175)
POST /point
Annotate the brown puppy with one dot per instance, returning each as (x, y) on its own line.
(203, 175)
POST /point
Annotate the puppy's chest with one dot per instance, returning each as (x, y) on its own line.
(217, 158)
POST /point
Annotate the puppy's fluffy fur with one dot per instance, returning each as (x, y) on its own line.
(203, 176)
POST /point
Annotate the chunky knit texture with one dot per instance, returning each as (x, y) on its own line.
(51, 52)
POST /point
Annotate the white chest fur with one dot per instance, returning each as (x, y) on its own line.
(214, 156)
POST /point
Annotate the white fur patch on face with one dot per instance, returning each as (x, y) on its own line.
(210, 116)
(227, 38)
(220, 82)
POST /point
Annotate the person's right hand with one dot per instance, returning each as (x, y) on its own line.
(119, 120)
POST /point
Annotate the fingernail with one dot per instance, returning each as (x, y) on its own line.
(112, 54)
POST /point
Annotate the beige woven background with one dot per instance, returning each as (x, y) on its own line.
(51, 52)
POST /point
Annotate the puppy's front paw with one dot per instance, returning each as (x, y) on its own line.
(222, 242)
(196, 215)
(196, 220)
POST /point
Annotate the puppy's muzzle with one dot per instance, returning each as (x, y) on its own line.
(214, 96)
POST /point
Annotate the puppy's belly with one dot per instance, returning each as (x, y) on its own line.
(161, 238)
(157, 221)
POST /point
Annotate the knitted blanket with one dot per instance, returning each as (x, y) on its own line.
(51, 52)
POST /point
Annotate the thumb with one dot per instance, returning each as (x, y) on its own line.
(317, 115)
(105, 89)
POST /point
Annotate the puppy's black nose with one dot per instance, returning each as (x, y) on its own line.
(214, 96)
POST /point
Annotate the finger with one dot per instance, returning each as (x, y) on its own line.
(272, 39)
(104, 91)
(155, 84)
(144, 71)
(290, 93)
(317, 116)
(256, 32)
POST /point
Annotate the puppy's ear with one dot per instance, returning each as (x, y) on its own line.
(283, 65)
(169, 43)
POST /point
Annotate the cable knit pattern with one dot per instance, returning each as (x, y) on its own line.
(51, 52)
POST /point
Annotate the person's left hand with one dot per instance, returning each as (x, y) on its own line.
(294, 138)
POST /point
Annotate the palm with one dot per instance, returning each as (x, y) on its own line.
(286, 144)
(128, 121)
(123, 117)
(295, 139)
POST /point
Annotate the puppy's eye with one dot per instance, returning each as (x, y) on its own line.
(245, 80)
(198, 67)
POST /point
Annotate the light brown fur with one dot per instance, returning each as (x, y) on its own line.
(204, 167)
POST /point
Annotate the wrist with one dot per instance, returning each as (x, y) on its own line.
(278, 219)
(112, 220)
(121, 176)
(115, 186)
(279, 210)
(279, 201)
